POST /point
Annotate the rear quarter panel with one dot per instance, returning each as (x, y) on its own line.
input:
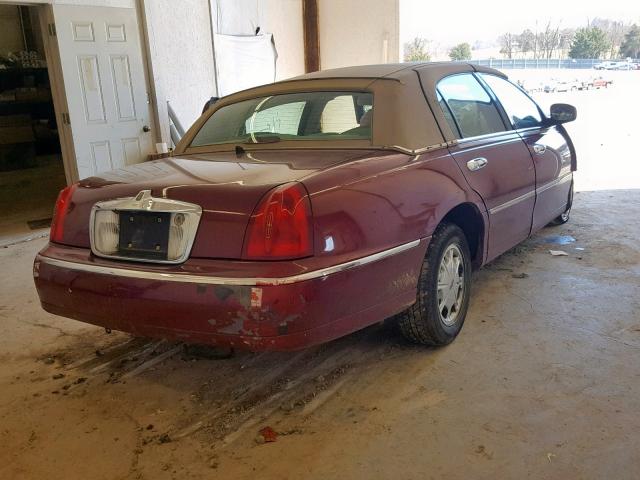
(380, 202)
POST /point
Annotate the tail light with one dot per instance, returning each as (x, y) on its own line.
(63, 203)
(280, 227)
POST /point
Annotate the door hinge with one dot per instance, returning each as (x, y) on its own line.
(66, 119)
(52, 29)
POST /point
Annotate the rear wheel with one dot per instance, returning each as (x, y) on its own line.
(444, 288)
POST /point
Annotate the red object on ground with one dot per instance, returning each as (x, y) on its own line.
(269, 434)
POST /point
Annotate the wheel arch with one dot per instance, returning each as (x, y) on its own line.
(467, 216)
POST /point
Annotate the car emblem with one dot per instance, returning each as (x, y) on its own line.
(145, 199)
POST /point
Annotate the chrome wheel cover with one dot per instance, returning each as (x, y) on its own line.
(450, 285)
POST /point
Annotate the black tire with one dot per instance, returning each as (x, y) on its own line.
(422, 323)
(564, 216)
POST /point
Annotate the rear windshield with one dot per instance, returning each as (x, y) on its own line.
(291, 116)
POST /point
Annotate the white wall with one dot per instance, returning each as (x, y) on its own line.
(352, 32)
(182, 67)
(358, 32)
(282, 18)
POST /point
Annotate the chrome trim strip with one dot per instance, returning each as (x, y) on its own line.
(485, 136)
(554, 182)
(208, 280)
(418, 151)
(527, 195)
(512, 202)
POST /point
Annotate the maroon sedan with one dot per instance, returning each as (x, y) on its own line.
(295, 213)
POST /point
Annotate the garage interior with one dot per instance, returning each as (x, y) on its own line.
(541, 383)
(31, 168)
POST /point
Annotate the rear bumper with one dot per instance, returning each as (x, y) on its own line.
(253, 312)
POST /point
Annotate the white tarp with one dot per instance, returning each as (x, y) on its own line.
(244, 61)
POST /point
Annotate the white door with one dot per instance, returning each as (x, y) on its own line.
(105, 86)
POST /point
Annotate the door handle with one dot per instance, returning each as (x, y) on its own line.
(477, 163)
(146, 128)
(539, 149)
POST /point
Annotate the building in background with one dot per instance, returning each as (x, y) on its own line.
(116, 67)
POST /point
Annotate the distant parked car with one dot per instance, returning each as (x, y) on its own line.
(562, 86)
(568, 85)
(550, 86)
(605, 66)
(294, 213)
(585, 84)
(531, 86)
(601, 82)
(623, 66)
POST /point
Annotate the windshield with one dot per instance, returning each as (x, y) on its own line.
(292, 116)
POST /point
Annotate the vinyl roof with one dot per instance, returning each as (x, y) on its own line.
(390, 70)
(407, 114)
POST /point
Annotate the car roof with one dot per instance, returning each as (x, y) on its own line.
(407, 113)
(393, 71)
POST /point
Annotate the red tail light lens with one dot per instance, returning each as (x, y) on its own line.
(281, 225)
(60, 212)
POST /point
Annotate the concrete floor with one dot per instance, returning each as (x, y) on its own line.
(543, 381)
(29, 194)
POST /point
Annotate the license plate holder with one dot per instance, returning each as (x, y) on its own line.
(144, 235)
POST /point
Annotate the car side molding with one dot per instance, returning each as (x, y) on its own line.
(211, 280)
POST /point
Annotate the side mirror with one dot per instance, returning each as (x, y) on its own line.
(563, 113)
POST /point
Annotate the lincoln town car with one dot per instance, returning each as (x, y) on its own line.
(294, 213)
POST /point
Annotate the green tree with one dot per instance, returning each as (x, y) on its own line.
(416, 50)
(589, 42)
(462, 51)
(631, 44)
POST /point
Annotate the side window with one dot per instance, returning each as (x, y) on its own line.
(471, 107)
(448, 116)
(522, 111)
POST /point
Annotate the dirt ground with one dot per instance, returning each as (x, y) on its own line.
(543, 381)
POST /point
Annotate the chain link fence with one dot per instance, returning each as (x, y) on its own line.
(522, 63)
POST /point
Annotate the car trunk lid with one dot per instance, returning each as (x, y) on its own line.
(227, 187)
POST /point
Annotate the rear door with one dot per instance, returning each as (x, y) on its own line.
(547, 145)
(493, 158)
(105, 86)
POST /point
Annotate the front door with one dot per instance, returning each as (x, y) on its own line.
(506, 183)
(105, 86)
(493, 158)
(548, 147)
(552, 157)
